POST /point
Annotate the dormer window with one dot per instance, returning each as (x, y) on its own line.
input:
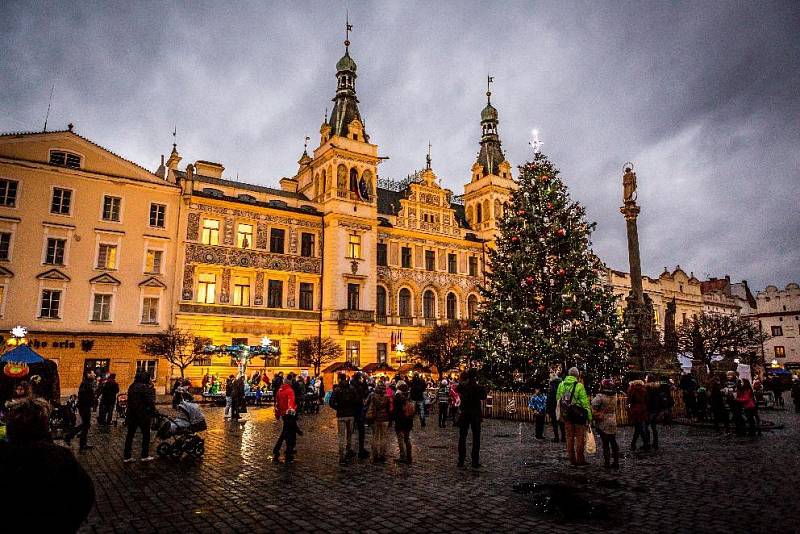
(65, 159)
(213, 192)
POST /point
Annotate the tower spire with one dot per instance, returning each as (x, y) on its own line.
(345, 103)
(428, 157)
(491, 153)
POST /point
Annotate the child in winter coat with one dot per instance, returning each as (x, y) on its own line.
(403, 417)
(538, 404)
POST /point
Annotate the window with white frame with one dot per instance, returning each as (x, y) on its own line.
(112, 208)
(354, 246)
(65, 159)
(51, 304)
(150, 310)
(5, 246)
(206, 288)
(153, 260)
(101, 307)
(353, 352)
(61, 203)
(244, 236)
(147, 366)
(107, 256)
(54, 252)
(158, 215)
(241, 291)
(210, 235)
(8, 193)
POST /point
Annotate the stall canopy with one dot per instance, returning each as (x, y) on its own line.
(415, 367)
(375, 367)
(340, 366)
(22, 354)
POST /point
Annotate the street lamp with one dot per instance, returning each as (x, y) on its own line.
(400, 348)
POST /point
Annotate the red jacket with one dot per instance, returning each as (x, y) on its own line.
(746, 398)
(284, 401)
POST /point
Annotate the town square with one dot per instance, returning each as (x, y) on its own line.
(384, 266)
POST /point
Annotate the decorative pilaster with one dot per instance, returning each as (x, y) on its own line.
(188, 282)
(224, 291)
(259, 297)
(193, 227)
(290, 291)
(228, 232)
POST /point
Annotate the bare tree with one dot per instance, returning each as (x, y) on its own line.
(179, 348)
(710, 335)
(444, 346)
(315, 352)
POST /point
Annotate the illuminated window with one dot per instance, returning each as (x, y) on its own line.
(780, 352)
(153, 261)
(210, 234)
(354, 352)
(354, 246)
(241, 291)
(206, 288)
(244, 236)
(107, 256)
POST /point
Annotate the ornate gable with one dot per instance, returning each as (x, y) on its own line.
(105, 278)
(153, 282)
(54, 274)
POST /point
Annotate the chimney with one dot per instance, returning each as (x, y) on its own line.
(209, 168)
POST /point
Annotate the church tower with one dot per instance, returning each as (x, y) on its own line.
(491, 183)
(341, 177)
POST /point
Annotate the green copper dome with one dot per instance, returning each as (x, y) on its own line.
(346, 63)
(489, 113)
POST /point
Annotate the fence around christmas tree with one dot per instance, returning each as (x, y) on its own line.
(513, 406)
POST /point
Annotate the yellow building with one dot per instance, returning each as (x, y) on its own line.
(86, 254)
(677, 285)
(335, 251)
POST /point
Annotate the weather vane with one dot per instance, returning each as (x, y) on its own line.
(428, 157)
(535, 142)
(347, 29)
(489, 81)
(175, 135)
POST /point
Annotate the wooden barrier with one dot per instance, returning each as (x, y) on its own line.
(513, 406)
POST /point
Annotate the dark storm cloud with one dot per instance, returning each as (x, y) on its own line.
(702, 96)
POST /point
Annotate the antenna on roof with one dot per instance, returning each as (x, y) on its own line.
(175, 135)
(47, 116)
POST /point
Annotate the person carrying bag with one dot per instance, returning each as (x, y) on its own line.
(576, 412)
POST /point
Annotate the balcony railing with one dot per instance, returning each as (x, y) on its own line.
(357, 316)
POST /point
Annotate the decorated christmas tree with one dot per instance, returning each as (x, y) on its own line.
(546, 302)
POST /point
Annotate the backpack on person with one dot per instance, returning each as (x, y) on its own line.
(570, 411)
(409, 410)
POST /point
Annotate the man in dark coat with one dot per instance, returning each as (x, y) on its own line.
(343, 400)
(471, 394)
(108, 399)
(141, 407)
(361, 391)
(86, 402)
(417, 395)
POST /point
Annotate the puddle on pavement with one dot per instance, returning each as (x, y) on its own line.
(561, 500)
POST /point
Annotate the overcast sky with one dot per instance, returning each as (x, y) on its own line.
(702, 96)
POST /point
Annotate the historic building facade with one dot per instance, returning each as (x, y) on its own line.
(778, 316)
(86, 253)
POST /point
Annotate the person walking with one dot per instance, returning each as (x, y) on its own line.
(418, 388)
(538, 405)
(576, 413)
(719, 412)
(471, 394)
(443, 402)
(361, 392)
(796, 393)
(637, 413)
(403, 418)
(141, 407)
(378, 414)
(455, 401)
(604, 415)
(656, 407)
(343, 400)
(552, 393)
(238, 401)
(299, 388)
(108, 399)
(86, 400)
(745, 397)
(286, 411)
(229, 396)
(688, 385)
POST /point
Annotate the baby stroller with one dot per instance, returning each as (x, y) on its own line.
(63, 417)
(121, 409)
(180, 435)
(311, 402)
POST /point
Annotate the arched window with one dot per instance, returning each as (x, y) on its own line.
(451, 306)
(341, 178)
(469, 215)
(498, 209)
(367, 176)
(324, 184)
(404, 307)
(478, 213)
(472, 306)
(429, 306)
(354, 180)
(486, 209)
(316, 186)
(380, 302)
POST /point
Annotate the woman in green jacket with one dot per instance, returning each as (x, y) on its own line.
(572, 392)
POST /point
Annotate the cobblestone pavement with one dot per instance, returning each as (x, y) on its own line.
(699, 481)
